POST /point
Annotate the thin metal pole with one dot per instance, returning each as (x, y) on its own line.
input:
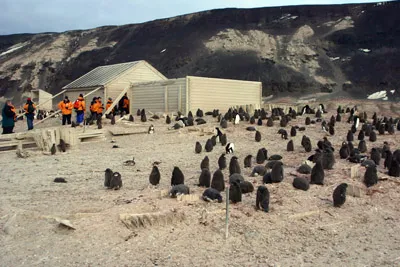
(227, 213)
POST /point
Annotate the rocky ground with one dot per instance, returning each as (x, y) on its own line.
(301, 229)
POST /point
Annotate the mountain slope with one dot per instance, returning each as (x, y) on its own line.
(296, 50)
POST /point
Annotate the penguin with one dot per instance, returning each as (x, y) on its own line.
(234, 166)
(290, 146)
(131, 119)
(318, 114)
(356, 122)
(370, 176)
(293, 131)
(179, 189)
(230, 148)
(205, 163)
(339, 195)
(375, 156)
(235, 192)
(198, 148)
(205, 178)
(283, 122)
(362, 146)
(108, 173)
(307, 144)
(331, 130)
(236, 177)
(258, 136)
(275, 157)
(209, 146)
(344, 151)
(328, 159)
(155, 176)
(214, 140)
(199, 113)
(338, 118)
(361, 135)
(381, 129)
(237, 119)
(277, 172)
(151, 129)
(372, 136)
(62, 146)
(259, 122)
(222, 162)
(246, 187)
(59, 180)
(260, 158)
(270, 122)
(168, 120)
(317, 174)
(223, 124)
(308, 121)
(304, 169)
(262, 198)
(283, 134)
(223, 140)
(177, 177)
(53, 149)
(388, 159)
(253, 120)
(394, 169)
(217, 181)
(219, 133)
(350, 136)
(143, 117)
(301, 183)
(247, 161)
(138, 112)
(116, 181)
(258, 170)
(211, 194)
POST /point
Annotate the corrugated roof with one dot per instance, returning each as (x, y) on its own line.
(100, 75)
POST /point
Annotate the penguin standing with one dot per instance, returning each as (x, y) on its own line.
(62, 146)
(247, 161)
(293, 131)
(218, 182)
(168, 120)
(394, 169)
(235, 192)
(230, 148)
(375, 156)
(107, 177)
(317, 174)
(350, 136)
(260, 158)
(339, 195)
(222, 162)
(370, 176)
(362, 146)
(177, 177)
(53, 149)
(205, 178)
(290, 146)
(209, 146)
(258, 136)
(205, 163)
(372, 136)
(328, 159)
(262, 198)
(234, 166)
(344, 151)
(270, 122)
(277, 172)
(151, 129)
(198, 148)
(237, 119)
(116, 181)
(223, 140)
(155, 176)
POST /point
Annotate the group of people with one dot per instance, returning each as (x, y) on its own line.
(66, 107)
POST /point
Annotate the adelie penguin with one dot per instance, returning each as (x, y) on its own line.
(179, 189)
(230, 148)
(259, 122)
(290, 146)
(394, 169)
(344, 151)
(370, 176)
(62, 146)
(155, 176)
(177, 177)
(375, 156)
(301, 183)
(317, 174)
(116, 181)
(293, 131)
(258, 170)
(205, 163)
(277, 172)
(234, 166)
(235, 192)
(372, 136)
(246, 187)
(53, 149)
(362, 146)
(260, 158)
(247, 161)
(211, 194)
(198, 148)
(350, 136)
(218, 182)
(222, 162)
(168, 120)
(205, 178)
(262, 199)
(270, 122)
(108, 173)
(151, 129)
(223, 140)
(258, 136)
(209, 146)
(339, 195)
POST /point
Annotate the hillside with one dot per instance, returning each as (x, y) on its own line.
(296, 50)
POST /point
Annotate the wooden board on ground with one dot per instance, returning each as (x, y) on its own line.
(128, 131)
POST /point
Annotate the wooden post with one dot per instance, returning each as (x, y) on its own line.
(227, 213)
(180, 98)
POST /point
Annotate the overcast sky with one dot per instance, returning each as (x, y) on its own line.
(32, 16)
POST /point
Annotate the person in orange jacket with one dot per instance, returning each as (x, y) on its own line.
(66, 109)
(9, 117)
(124, 104)
(99, 107)
(29, 108)
(108, 105)
(80, 108)
(93, 108)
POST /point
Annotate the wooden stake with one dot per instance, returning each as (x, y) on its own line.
(227, 214)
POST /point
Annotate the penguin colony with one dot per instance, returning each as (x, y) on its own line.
(320, 155)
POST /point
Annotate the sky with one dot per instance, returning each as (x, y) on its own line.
(33, 16)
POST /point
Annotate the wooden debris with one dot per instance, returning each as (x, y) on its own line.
(65, 223)
(188, 198)
(134, 221)
(354, 191)
(355, 171)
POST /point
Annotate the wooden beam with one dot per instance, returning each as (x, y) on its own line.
(116, 101)
(166, 99)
